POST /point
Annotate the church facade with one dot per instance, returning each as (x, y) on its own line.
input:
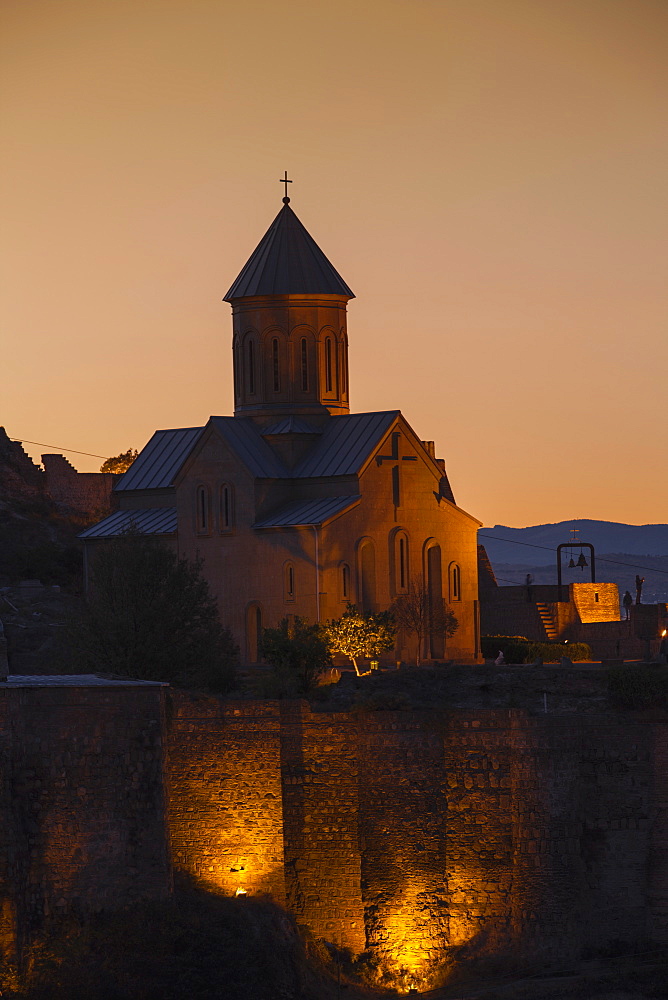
(296, 505)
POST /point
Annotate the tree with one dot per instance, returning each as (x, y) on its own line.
(150, 615)
(299, 648)
(357, 635)
(417, 614)
(119, 463)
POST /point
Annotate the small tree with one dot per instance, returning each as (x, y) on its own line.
(150, 615)
(358, 635)
(299, 648)
(417, 614)
(119, 463)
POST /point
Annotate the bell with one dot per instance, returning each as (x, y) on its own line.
(582, 562)
(571, 564)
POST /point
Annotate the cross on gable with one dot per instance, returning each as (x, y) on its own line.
(394, 457)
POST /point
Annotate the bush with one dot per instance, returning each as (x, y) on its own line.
(517, 649)
(297, 650)
(638, 686)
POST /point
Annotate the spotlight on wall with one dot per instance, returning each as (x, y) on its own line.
(241, 892)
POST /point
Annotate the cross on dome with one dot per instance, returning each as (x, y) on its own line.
(286, 181)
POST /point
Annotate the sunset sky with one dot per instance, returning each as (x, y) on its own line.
(489, 176)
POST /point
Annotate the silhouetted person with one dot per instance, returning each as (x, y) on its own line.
(529, 581)
(627, 601)
(639, 582)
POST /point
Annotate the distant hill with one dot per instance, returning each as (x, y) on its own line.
(643, 548)
(502, 545)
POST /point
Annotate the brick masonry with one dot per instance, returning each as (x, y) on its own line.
(82, 807)
(408, 833)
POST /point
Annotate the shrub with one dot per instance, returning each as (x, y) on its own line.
(517, 649)
(297, 650)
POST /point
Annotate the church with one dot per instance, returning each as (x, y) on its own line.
(296, 505)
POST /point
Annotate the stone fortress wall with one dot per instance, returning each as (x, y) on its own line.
(407, 832)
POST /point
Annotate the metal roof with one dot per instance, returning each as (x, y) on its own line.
(245, 438)
(346, 444)
(304, 513)
(153, 521)
(288, 261)
(160, 460)
(291, 425)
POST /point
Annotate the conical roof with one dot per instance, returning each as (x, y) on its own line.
(288, 261)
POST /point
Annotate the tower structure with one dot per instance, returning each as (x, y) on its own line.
(290, 342)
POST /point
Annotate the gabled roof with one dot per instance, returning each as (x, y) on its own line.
(245, 438)
(151, 521)
(160, 460)
(305, 513)
(290, 425)
(346, 444)
(288, 261)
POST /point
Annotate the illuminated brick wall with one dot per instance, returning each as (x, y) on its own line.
(405, 832)
(226, 810)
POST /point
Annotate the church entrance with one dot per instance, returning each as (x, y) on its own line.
(435, 590)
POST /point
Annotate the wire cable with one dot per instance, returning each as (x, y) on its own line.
(70, 451)
(531, 545)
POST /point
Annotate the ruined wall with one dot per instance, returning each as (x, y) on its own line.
(84, 492)
(83, 807)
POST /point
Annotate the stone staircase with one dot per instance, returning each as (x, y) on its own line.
(548, 621)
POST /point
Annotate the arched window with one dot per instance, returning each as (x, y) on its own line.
(226, 507)
(328, 364)
(455, 582)
(343, 369)
(399, 565)
(275, 364)
(367, 575)
(251, 367)
(346, 594)
(289, 582)
(253, 633)
(202, 510)
(304, 364)
(237, 370)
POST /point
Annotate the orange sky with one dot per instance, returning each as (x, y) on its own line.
(488, 176)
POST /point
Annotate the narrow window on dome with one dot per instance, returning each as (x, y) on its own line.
(304, 366)
(275, 364)
(343, 370)
(251, 368)
(328, 364)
